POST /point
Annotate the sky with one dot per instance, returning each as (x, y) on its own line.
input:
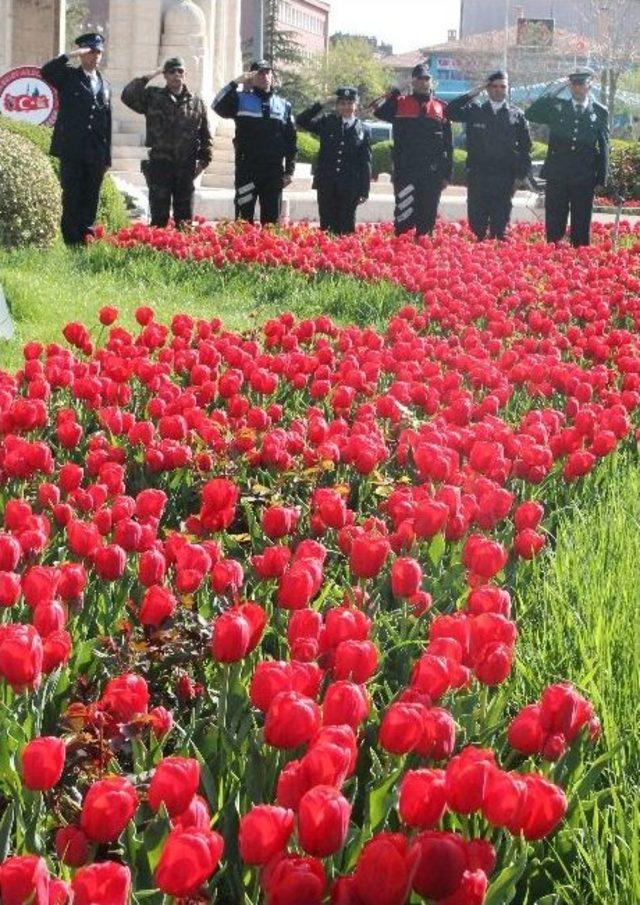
(407, 24)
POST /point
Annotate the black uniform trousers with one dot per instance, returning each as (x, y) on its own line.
(170, 185)
(562, 196)
(337, 205)
(258, 183)
(489, 204)
(80, 181)
(417, 200)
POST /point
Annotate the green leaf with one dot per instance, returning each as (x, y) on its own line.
(6, 826)
(436, 549)
(379, 800)
(154, 838)
(503, 888)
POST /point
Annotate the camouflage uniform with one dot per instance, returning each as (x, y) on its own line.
(179, 138)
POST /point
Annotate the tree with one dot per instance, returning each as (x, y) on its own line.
(349, 61)
(76, 14)
(615, 47)
(280, 45)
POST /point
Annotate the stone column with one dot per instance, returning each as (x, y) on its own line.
(35, 31)
(227, 55)
(134, 40)
(6, 17)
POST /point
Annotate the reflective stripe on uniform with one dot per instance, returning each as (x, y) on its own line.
(222, 93)
(405, 215)
(405, 191)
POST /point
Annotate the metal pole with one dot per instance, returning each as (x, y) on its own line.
(259, 49)
(505, 56)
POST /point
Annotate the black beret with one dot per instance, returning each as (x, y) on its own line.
(346, 93)
(92, 39)
(421, 71)
(498, 76)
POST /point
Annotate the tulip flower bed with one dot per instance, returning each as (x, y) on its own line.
(257, 634)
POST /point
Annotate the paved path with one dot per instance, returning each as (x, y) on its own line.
(300, 204)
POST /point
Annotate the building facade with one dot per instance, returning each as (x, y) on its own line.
(306, 21)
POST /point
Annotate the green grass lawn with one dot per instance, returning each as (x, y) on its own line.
(47, 289)
(577, 605)
(578, 608)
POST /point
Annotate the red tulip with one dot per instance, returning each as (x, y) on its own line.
(43, 763)
(368, 555)
(24, 878)
(323, 821)
(158, 605)
(385, 870)
(406, 576)
(423, 798)
(189, 858)
(105, 883)
(264, 832)
(125, 697)
(72, 846)
(291, 880)
(292, 720)
(174, 783)
(21, 656)
(107, 808)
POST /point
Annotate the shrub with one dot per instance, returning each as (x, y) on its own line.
(382, 159)
(459, 167)
(624, 174)
(308, 147)
(29, 194)
(112, 210)
(539, 150)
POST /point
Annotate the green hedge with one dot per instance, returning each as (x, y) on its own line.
(308, 147)
(381, 158)
(624, 176)
(383, 151)
(29, 194)
(112, 210)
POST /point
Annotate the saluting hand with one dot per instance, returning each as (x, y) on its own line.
(79, 52)
(245, 77)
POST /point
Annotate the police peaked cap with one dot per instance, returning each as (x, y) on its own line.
(421, 71)
(498, 76)
(261, 66)
(581, 75)
(345, 93)
(92, 40)
(173, 63)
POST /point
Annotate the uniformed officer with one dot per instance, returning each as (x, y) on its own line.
(82, 134)
(498, 154)
(422, 152)
(178, 137)
(343, 172)
(577, 159)
(265, 141)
